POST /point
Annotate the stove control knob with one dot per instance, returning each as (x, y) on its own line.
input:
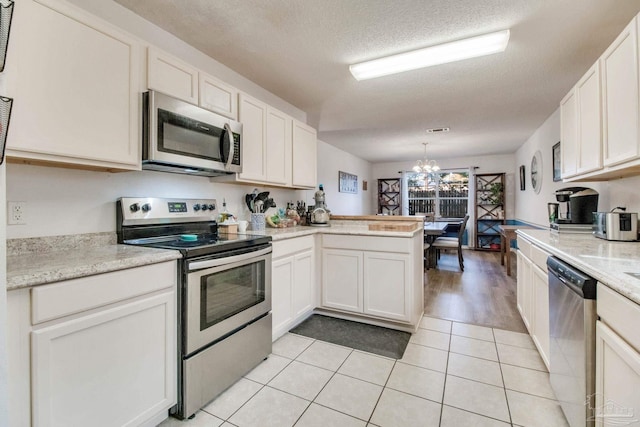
(134, 207)
(196, 207)
(203, 207)
(146, 207)
(212, 207)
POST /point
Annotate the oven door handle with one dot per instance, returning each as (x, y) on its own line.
(199, 265)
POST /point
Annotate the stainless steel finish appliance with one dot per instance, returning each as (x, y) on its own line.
(224, 300)
(621, 226)
(572, 323)
(183, 138)
(319, 214)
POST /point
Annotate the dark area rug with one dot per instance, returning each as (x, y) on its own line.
(373, 339)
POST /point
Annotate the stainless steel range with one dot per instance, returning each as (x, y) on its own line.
(224, 300)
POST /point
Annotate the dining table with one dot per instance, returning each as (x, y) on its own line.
(507, 234)
(432, 230)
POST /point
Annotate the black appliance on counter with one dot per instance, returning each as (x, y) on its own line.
(581, 203)
(223, 296)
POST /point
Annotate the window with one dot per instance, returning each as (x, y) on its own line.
(445, 193)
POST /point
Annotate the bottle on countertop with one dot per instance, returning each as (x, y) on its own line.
(225, 215)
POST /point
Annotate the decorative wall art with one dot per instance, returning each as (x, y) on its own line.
(522, 178)
(347, 183)
(555, 156)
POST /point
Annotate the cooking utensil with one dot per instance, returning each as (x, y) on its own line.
(269, 203)
(258, 206)
(263, 196)
(248, 198)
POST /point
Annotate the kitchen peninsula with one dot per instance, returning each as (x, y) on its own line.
(363, 274)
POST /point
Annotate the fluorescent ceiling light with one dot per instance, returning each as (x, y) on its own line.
(434, 55)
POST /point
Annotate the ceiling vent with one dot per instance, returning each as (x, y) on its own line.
(438, 130)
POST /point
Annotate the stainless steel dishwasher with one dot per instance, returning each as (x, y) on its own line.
(572, 326)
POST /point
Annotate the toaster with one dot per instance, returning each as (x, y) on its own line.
(620, 226)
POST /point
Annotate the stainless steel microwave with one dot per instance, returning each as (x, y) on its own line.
(183, 138)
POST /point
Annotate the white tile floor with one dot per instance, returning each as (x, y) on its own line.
(452, 374)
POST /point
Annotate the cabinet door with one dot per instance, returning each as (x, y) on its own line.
(620, 97)
(282, 280)
(217, 96)
(112, 367)
(76, 82)
(524, 287)
(304, 155)
(540, 303)
(303, 284)
(169, 75)
(387, 285)
(253, 115)
(589, 121)
(569, 135)
(342, 280)
(617, 379)
(278, 147)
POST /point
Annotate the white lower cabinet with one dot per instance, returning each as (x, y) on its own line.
(99, 350)
(533, 294)
(292, 283)
(617, 359)
(378, 277)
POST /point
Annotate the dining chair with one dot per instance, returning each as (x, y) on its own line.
(427, 217)
(452, 242)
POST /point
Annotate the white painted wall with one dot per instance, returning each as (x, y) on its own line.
(331, 160)
(484, 164)
(532, 207)
(65, 201)
(4, 397)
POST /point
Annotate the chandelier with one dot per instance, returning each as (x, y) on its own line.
(426, 165)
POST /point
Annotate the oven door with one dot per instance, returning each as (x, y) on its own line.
(183, 134)
(225, 293)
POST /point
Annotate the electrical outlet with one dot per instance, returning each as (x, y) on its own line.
(17, 213)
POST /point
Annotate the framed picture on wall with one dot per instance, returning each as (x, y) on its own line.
(522, 178)
(555, 157)
(347, 183)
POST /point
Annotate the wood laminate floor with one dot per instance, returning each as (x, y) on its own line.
(483, 294)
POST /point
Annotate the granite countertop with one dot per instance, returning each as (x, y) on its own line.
(38, 261)
(607, 261)
(350, 227)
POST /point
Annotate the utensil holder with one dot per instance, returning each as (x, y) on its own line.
(5, 115)
(258, 221)
(6, 13)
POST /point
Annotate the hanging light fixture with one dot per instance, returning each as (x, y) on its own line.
(426, 165)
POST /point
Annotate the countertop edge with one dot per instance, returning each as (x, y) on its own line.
(30, 279)
(284, 234)
(628, 291)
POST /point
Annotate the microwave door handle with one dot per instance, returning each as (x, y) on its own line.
(229, 133)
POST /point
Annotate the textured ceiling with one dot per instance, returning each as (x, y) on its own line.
(300, 50)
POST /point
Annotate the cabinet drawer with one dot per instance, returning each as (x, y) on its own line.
(368, 243)
(539, 257)
(620, 314)
(291, 246)
(74, 296)
(524, 246)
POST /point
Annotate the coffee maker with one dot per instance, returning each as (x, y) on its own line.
(581, 202)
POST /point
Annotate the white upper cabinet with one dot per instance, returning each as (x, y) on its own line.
(219, 97)
(589, 121)
(620, 97)
(169, 75)
(569, 134)
(278, 147)
(253, 116)
(304, 155)
(76, 84)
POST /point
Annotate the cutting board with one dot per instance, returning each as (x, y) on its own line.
(392, 226)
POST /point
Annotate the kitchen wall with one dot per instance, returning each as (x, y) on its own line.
(531, 207)
(331, 160)
(66, 201)
(4, 397)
